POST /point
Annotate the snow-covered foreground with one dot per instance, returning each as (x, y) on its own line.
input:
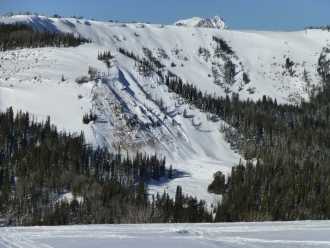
(266, 234)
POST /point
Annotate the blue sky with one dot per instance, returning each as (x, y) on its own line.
(238, 14)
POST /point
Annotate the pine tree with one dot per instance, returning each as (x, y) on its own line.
(170, 173)
(185, 113)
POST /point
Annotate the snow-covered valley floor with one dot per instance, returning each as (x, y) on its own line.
(265, 234)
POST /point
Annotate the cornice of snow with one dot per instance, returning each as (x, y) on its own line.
(215, 22)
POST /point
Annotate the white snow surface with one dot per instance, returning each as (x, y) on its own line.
(30, 79)
(265, 234)
(215, 22)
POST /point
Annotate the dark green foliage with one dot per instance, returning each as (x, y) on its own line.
(94, 74)
(144, 65)
(218, 184)
(170, 173)
(106, 58)
(321, 27)
(246, 77)
(185, 113)
(204, 53)
(85, 119)
(182, 208)
(20, 35)
(323, 65)
(37, 164)
(222, 45)
(56, 16)
(277, 190)
(148, 54)
(229, 72)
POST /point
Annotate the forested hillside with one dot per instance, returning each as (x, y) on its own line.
(290, 144)
(39, 164)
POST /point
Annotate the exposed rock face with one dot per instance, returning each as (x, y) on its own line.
(215, 22)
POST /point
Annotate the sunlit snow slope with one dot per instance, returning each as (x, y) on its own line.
(30, 79)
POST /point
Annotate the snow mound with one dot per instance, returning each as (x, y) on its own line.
(215, 22)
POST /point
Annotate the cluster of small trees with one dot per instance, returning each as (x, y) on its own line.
(10, 14)
(28, 13)
(205, 102)
(320, 27)
(323, 65)
(20, 35)
(94, 74)
(106, 55)
(145, 65)
(82, 79)
(227, 71)
(150, 57)
(204, 53)
(222, 47)
(89, 117)
(107, 59)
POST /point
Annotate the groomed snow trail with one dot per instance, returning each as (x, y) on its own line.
(266, 234)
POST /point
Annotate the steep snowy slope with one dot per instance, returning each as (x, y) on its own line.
(30, 79)
(215, 22)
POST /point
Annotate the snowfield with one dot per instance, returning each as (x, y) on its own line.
(266, 234)
(30, 80)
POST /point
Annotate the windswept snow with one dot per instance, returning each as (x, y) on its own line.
(30, 79)
(266, 234)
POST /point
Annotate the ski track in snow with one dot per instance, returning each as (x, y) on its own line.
(266, 234)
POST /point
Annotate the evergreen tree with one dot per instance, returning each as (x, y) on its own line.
(170, 173)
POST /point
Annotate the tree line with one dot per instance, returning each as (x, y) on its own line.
(19, 35)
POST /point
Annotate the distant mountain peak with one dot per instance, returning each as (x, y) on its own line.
(215, 22)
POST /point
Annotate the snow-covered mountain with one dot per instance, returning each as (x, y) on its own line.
(30, 79)
(215, 22)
